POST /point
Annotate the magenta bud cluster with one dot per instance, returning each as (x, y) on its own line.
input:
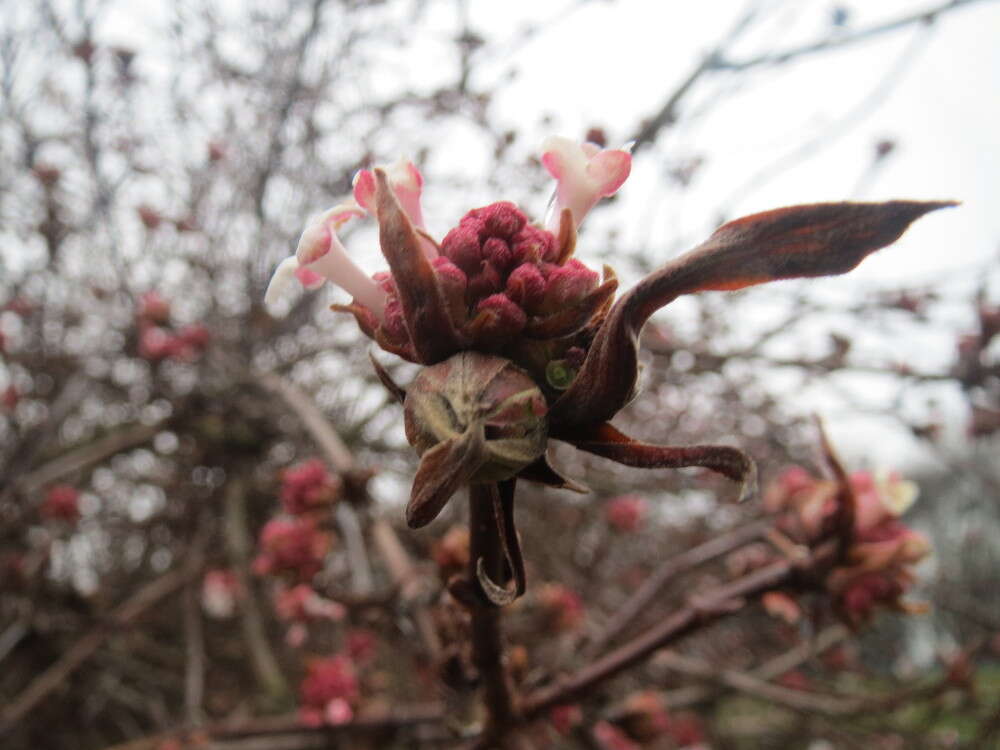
(498, 275)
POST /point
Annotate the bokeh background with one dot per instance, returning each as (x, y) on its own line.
(159, 159)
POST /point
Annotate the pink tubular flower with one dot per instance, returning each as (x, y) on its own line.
(62, 502)
(320, 257)
(406, 182)
(585, 173)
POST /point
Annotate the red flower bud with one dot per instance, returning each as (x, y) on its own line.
(497, 253)
(461, 246)
(526, 286)
(497, 319)
(502, 219)
(568, 284)
(534, 244)
(62, 502)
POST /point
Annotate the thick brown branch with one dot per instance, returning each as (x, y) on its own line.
(487, 642)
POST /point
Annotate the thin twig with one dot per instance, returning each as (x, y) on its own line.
(779, 665)
(56, 675)
(797, 700)
(667, 570)
(409, 582)
(87, 455)
(707, 608)
(928, 15)
(272, 728)
(237, 540)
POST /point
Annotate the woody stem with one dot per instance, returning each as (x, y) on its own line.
(487, 642)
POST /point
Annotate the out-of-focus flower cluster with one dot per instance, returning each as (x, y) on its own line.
(291, 547)
(496, 282)
(561, 607)
(159, 340)
(62, 503)
(626, 513)
(876, 568)
(292, 550)
(329, 693)
(640, 721)
(309, 486)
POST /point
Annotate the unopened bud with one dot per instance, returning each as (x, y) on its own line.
(479, 392)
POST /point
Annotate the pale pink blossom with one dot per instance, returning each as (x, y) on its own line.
(407, 183)
(320, 256)
(584, 174)
(220, 590)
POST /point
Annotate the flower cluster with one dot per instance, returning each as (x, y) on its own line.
(62, 503)
(876, 564)
(496, 283)
(522, 343)
(626, 513)
(308, 486)
(561, 607)
(158, 340)
(329, 692)
(302, 605)
(294, 547)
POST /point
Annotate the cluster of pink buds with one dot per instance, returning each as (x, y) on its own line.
(10, 397)
(875, 567)
(158, 340)
(495, 283)
(626, 513)
(308, 486)
(329, 692)
(61, 503)
(294, 547)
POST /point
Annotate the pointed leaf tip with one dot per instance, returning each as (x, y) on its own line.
(430, 327)
(443, 470)
(820, 239)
